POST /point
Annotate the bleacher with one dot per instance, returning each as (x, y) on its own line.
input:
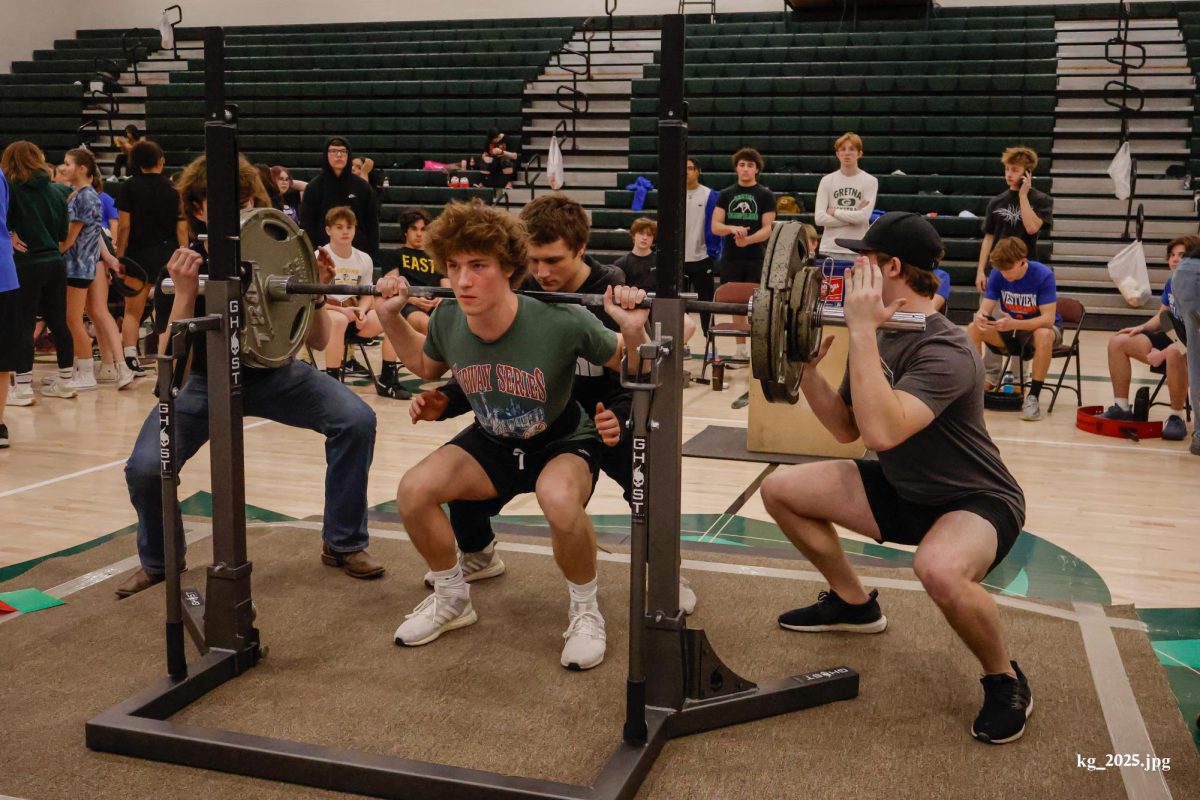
(936, 100)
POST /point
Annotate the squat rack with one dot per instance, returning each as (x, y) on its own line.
(677, 683)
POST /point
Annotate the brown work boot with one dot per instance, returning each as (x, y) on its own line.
(139, 581)
(358, 564)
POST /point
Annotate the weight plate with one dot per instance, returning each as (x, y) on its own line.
(273, 245)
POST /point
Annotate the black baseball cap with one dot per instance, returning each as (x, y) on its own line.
(907, 236)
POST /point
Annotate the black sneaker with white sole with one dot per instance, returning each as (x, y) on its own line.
(3, 435)
(1007, 703)
(832, 613)
(135, 366)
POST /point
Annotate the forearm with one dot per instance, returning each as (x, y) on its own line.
(318, 332)
(985, 250)
(721, 229)
(858, 216)
(828, 406)
(878, 412)
(1030, 219)
(761, 235)
(633, 339)
(826, 220)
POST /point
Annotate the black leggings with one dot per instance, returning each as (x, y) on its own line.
(700, 275)
(44, 288)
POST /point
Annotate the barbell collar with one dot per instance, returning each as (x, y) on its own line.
(280, 288)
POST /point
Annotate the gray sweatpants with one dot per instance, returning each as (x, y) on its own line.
(1185, 285)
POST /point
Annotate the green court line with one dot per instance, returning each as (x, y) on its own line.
(197, 505)
(1175, 636)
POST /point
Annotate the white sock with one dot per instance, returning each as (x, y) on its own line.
(85, 366)
(66, 373)
(131, 352)
(1121, 403)
(24, 379)
(449, 583)
(584, 593)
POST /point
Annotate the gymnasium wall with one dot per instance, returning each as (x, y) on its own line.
(43, 21)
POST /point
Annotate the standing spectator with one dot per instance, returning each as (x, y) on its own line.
(151, 226)
(37, 215)
(338, 186)
(86, 285)
(1027, 298)
(1186, 291)
(11, 330)
(700, 245)
(845, 200)
(497, 161)
(1152, 343)
(744, 215)
(126, 143)
(290, 190)
(640, 263)
(1021, 211)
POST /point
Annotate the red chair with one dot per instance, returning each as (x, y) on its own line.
(726, 293)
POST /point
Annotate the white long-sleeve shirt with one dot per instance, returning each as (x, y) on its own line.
(844, 194)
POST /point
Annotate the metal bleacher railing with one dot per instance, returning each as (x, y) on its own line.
(1127, 98)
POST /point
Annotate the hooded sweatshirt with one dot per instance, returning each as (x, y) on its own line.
(37, 212)
(328, 190)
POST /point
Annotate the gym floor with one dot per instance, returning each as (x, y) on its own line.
(1109, 521)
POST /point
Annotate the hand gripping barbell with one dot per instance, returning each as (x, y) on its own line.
(786, 312)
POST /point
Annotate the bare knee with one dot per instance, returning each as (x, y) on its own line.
(944, 579)
(560, 504)
(414, 494)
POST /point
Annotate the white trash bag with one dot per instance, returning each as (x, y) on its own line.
(1119, 170)
(554, 169)
(1128, 271)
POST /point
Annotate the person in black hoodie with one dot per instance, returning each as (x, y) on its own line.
(337, 186)
(558, 236)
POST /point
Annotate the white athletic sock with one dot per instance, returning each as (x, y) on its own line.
(131, 352)
(1121, 403)
(449, 583)
(584, 593)
(66, 373)
(24, 379)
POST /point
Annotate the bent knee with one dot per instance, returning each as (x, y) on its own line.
(944, 580)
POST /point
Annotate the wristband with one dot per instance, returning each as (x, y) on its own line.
(320, 303)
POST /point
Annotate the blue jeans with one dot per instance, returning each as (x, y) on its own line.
(295, 395)
(1185, 285)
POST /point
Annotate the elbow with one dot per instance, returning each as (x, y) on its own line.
(878, 441)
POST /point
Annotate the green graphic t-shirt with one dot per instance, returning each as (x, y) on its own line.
(519, 384)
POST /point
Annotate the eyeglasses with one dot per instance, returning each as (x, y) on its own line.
(338, 151)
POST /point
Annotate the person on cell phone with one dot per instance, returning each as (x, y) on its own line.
(1021, 211)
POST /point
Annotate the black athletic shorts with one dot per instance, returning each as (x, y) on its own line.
(740, 271)
(514, 468)
(1159, 340)
(80, 283)
(13, 339)
(904, 522)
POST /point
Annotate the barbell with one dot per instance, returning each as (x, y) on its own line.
(786, 312)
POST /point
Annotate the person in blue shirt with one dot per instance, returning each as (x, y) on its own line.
(1027, 297)
(943, 292)
(1157, 341)
(10, 316)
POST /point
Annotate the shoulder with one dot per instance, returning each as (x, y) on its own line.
(1040, 271)
(869, 179)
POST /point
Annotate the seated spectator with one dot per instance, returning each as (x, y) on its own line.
(1028, 303)
(291, 191)
(1160, 340)
(270, 186)
(352, 267)
(497, 161)
(943, 293)
(641, 263)
(126, 144)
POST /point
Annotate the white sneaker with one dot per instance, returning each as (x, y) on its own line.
(687, 597)
(59, 389)
(433, 617)
(125, 377)
(20, 397)
(476, 566)
(741, 353)
(54, 376)
(585, 638)
(107, 373)
(1031, 410)
(84, 380)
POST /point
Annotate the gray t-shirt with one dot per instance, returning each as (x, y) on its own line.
(952, 457)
